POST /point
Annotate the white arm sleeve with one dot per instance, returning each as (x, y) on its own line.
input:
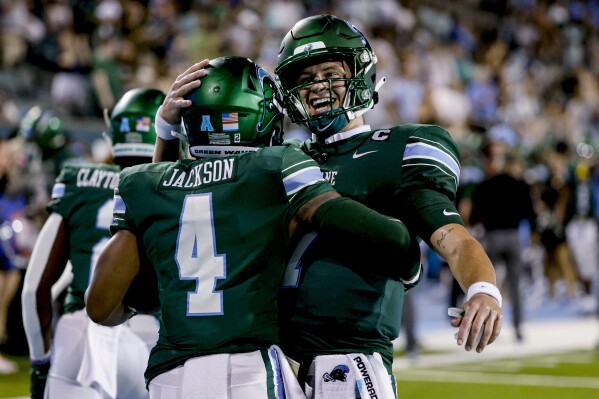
(33, 275)
(63, 281)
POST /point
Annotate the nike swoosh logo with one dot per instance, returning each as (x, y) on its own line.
(449, 213)
(356, 155)
(326, 127)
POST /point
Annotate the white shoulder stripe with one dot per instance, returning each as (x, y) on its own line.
(295, 165)
(435, 144)
(456, 179)
(119, 205)
(302, 178)
(58, 190)
(427, 151)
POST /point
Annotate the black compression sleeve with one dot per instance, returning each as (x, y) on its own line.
(347, 218)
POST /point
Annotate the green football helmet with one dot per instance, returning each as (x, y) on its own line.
(236, 109)
(44, 128)
(318, 39)
(133, 133)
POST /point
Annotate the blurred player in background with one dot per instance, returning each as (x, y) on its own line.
(46, 151)
(216, 230)
(81, 359)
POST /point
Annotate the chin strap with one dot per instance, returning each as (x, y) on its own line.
(352, 115)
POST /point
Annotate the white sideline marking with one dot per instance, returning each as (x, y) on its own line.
(503, 379)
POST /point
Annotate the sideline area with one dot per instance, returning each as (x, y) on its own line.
(541, 337)
(550, 325)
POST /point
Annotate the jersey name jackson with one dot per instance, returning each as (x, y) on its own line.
(207, 172)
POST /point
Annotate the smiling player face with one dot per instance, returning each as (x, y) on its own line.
(324, 95)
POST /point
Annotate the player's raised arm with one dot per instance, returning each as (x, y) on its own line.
(168, 117)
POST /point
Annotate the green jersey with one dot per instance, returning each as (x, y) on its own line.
(216, 231)
(83, 196)
(328, 303)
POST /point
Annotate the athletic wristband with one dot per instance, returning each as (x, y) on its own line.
(482, 287)
(165, 130)
(42, 360)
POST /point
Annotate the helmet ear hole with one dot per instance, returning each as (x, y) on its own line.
(375, 97)
(250, 83)
(277, 137)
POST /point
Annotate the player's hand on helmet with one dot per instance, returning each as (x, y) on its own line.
(175, 101)
(482, 319)
(38, 374)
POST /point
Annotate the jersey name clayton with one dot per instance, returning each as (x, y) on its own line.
(99, 178)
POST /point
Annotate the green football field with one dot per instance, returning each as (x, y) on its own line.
(554, 376)
(561, 376)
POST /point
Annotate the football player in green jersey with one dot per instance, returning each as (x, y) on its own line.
(80, 359)
(216, 229)
(327, 72)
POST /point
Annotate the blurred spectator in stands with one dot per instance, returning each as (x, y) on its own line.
(245, 35)
(200, 37)
(70, 88)
(483, 93)
(407, 90)
(9, 112)
(581, 231)
(158, 33)
(384, 114)
(9, 279)
(107, 71)
(16, 233)
(449, 104)
(552, 218)
(501, 203)
(19, 27)
(581, 92)
(19, 30)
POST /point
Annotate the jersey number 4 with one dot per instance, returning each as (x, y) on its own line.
(196, 256)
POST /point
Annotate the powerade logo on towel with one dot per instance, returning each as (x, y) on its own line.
(366, 378)
(230, 122)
